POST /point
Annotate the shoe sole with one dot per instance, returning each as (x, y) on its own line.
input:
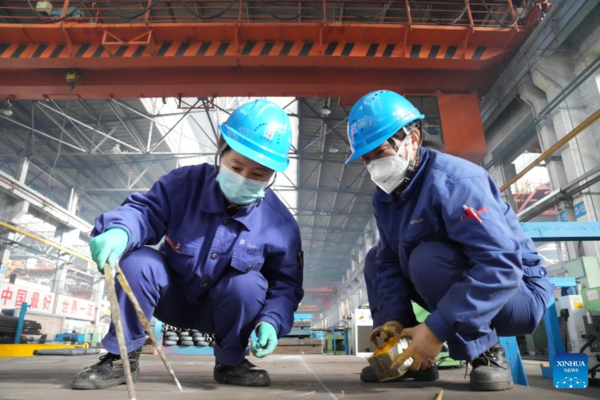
(420, 376)
(95, 385)
(491, 386)
(221, 378)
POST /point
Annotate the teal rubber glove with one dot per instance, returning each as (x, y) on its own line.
(267, 340)
(108, 247)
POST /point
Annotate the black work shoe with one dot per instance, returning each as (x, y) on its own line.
(491, 371)
(243, 374)
(108, 372)
(430, 374)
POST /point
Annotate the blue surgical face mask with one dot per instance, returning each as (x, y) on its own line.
(239, 190)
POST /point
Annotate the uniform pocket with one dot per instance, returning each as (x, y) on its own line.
(245, 262)
(181, 255)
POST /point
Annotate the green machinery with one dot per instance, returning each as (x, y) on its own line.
(340, 344)
(581, 312)
(587, 272)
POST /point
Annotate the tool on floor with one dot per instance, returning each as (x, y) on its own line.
(66, 352)
(383, 358)
(440, 395)
(144, 321)
(116, 318)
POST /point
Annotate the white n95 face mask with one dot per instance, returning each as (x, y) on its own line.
(239, 190)
(389, 172)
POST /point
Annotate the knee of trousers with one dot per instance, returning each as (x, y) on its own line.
(143, 265)
(241, 287)
(434, 261)
(538, 309)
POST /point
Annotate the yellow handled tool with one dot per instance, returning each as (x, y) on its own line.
(115, 312)
(140, 314)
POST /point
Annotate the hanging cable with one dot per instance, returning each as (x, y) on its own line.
(53, 21)
(502, 24)
(376, 15)
(207, 17)
(272, 14)
(130, 17)
(437, 21)
(62, 130)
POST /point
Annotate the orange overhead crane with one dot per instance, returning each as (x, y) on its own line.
(225, 48)
(308, 48)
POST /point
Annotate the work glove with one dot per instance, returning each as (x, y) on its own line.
(108, 247)
(424, 348)
(267, 340)
(387, 330)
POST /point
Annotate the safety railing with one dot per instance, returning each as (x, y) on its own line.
(474, 13)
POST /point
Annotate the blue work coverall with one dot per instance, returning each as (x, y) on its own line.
(216, 273)
(478, 280)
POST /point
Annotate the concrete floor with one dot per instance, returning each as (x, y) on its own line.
(293, 377)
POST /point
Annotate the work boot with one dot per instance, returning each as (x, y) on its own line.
(430, 374)
(243, 374)
(491, 371)
(108, 372)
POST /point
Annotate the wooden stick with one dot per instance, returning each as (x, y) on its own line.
(116, 318)
(140, 314)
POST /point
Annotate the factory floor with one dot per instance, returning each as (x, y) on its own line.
(293, 377)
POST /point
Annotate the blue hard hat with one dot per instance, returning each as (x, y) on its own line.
(261, 131)
(375, 118)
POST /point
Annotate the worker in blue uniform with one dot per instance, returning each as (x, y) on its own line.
(449, 242)
(231, 260)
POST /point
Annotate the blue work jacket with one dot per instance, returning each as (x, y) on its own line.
(202, 240)
(431, 209)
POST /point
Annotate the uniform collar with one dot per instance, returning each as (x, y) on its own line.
(383, 197)
(247, 216)
(213, 202)
(418, 177)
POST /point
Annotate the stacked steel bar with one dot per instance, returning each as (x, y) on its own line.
(8, 327)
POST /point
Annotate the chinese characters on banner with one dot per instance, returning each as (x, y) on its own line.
(72, 307)
(12, 296)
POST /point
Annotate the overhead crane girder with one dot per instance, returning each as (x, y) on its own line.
(237, 58)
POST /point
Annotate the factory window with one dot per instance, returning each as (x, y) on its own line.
(428, 105)
(534, 185)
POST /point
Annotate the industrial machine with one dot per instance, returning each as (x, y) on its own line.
(582, 334)
(581, 312)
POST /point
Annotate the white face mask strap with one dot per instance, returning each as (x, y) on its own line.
(411, 157)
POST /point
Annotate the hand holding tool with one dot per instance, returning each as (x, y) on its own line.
(386, 331)
(423, 349)
(395, 344)
(108, 247)
(116, 318)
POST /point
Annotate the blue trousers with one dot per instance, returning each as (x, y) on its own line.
(447, 263)
(229, 309)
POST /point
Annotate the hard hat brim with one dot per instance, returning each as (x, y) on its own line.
(366, 149)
